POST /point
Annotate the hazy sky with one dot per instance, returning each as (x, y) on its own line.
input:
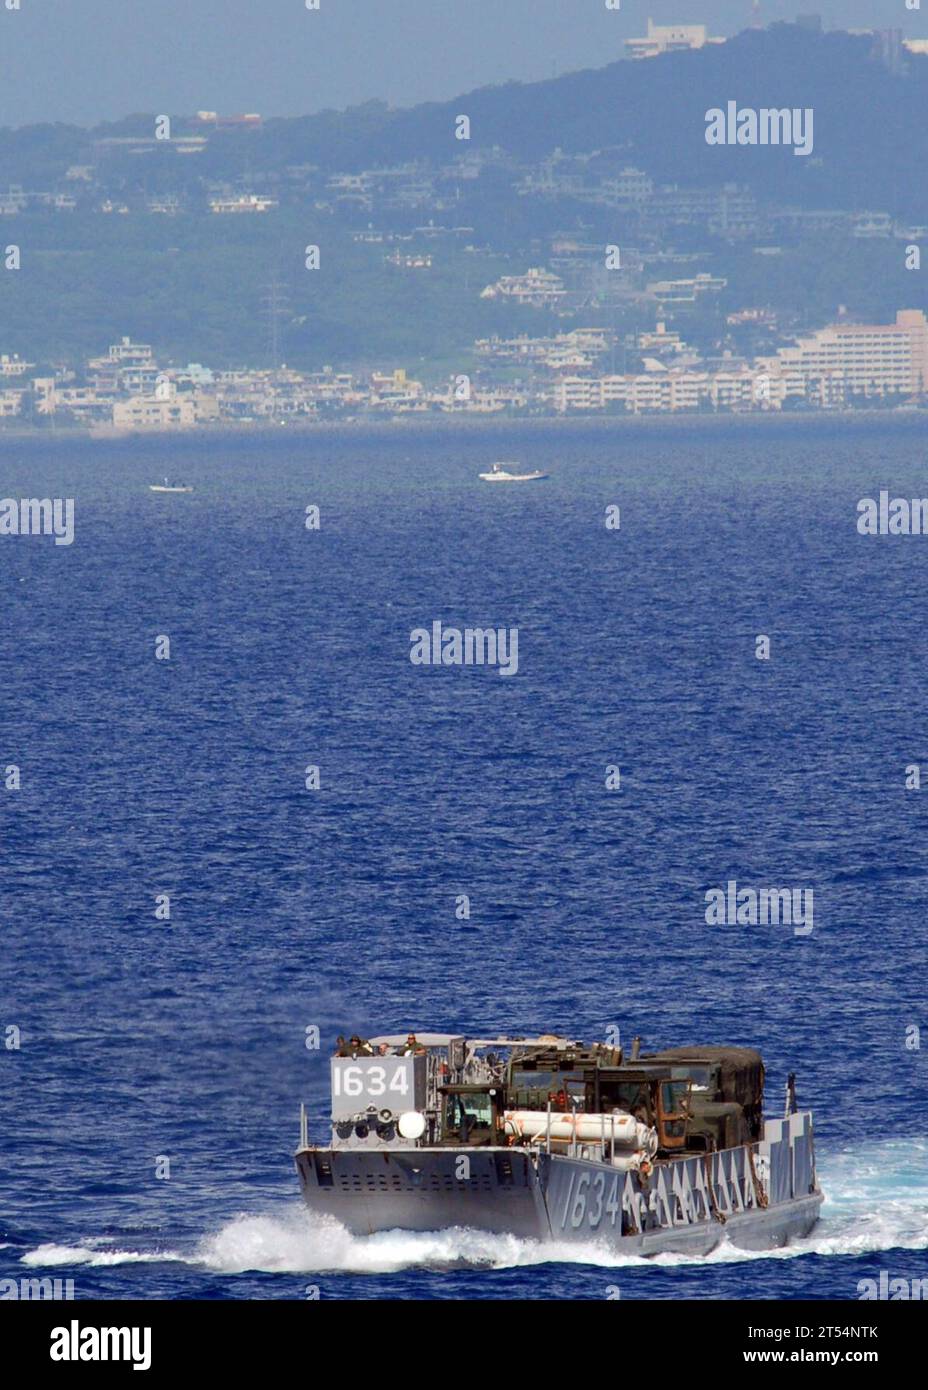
(90, 60)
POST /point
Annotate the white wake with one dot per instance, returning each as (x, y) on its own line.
(875, 1200)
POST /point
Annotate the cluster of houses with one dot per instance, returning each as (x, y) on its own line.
(593, 276)
(844, 364)
(649, 213)
(127, 390)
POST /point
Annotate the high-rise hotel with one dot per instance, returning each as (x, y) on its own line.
(858, 359)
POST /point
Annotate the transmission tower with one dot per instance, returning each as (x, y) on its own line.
(274, 306)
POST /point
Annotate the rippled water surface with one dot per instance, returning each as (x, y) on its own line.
(289, 908)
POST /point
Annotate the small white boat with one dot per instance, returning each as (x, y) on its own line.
(502, 473)
(169, 487)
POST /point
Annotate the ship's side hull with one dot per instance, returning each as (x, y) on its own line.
(586, 1203)
(757, 1197)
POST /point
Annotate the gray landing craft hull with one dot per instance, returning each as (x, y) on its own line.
(549, 1198)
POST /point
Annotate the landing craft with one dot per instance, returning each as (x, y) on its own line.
(548, 1139)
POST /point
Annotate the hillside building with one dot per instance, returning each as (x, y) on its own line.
(669, 38)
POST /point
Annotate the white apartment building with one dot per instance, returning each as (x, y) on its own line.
(246, 203)
(660, 342)
(630, 185)
(537, 287)
(167, 410)
(666, 391)
(13, 201)
(866, 359)
(872, 224)
(13, 365)
(127, 353)
(588, 392)
(686, 291)
(573, 350)
(729, 210)
(669, 391)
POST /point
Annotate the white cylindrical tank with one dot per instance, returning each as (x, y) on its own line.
(624, 1160)
(623, 1131)
(631, 1162)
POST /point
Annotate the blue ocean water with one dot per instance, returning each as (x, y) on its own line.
(143, 1040)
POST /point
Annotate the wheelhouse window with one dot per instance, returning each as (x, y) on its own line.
(631, 1097)
(468, 1113)
(532, 1090)
(674, 1113)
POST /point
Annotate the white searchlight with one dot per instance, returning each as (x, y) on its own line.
(411, 1124)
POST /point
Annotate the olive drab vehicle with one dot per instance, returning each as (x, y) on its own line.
(550, 1139)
